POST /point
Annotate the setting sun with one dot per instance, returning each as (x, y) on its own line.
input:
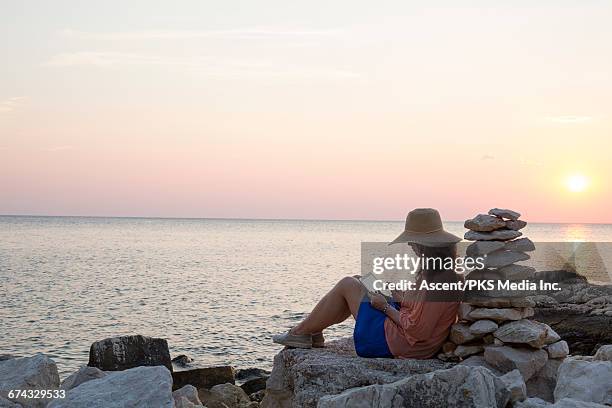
(577, 183)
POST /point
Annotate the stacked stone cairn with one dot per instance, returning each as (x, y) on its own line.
(496, 325)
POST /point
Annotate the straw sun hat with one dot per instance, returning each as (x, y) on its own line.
(424, 226)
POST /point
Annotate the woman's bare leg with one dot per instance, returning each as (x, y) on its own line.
(335, 307)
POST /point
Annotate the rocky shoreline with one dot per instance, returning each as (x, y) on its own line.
(137, 371)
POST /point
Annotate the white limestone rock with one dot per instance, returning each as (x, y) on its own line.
(604, 353)
(459, 387)
(83, 374)
(522, 332)
(533, 403)
(4, 403)
(559, 349)
(301, 377)
(460, 333)
(139, 387)
(186, 397)
(496, 314)
(479, 361)
(588, 381)
(551, 335)
(505, 359)
(482, 327)
(515, 384)
(38, 372)
(573, 403)
(465, 351)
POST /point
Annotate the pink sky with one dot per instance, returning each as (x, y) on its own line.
(358, 114)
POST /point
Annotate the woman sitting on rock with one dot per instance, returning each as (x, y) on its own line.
(410, 325)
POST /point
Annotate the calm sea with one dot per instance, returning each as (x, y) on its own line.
(216, 289)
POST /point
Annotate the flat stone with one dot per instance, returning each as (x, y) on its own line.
(520, 245)
(559, 349)
(528, 312)
(484, 301)
(496, 314)
(481, 248)
(517, 272)
(604, 353)
(460, 333)
(135, 387)
(481, 327)
(501, 258)
(124, 352)
(516, 224)
(516, 385)
(465, 351)
(206, 377)
(522, 332)
(38, 372)
(505, 213)
(484, 223)
(497, 235)
(301, 377)
(498, 302)
(83, 374)
(464, 311)
(505, 359)
(585, 380)
(460, 387)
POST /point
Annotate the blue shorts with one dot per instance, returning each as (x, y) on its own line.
(369, 332)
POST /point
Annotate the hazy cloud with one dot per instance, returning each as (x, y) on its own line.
(487, 157)
(212, 66)
(11, 104)
(569, 119)
(243, 34)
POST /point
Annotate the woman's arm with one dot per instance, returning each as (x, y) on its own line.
(379, 302)
(414, 327)
(394, 314)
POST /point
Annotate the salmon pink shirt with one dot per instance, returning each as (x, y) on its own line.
(425, 325)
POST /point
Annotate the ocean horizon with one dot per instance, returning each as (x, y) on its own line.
(217, 289)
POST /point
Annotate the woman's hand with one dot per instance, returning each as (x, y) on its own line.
(377, 300)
